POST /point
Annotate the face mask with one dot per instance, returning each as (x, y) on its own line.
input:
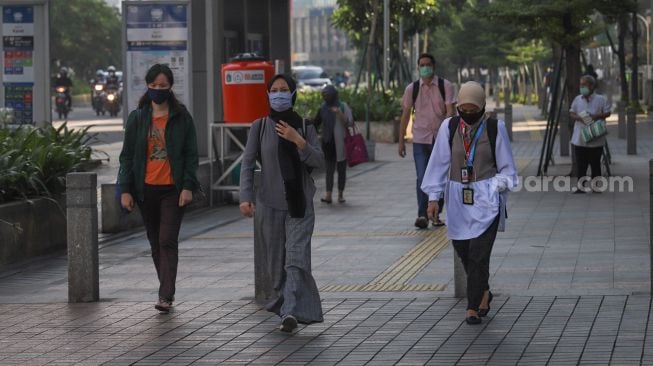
(471, 118)
(425, 71)
(584, 91)
(280, 101)
(158, 96)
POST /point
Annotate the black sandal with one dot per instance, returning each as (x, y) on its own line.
(325, 200)
(484, 312)
(472, 320)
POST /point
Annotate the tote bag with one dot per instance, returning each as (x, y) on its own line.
(355, 150)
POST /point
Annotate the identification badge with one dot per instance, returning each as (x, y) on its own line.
(468, 196)
(464, 175)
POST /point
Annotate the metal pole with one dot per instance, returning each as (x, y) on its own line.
(82, 237)
(508, 121)
(621, 122)
(386, 42)
(400, 76)
(631, 131)
(650, 182)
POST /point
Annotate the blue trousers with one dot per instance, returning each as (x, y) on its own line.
(421, 154)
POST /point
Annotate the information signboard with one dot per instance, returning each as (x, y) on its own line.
(17, 61)
(156, 33)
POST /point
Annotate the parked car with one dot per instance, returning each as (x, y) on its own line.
(310, 77)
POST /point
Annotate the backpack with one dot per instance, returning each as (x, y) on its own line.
(416, 91)
(492, 131)
(261, 128)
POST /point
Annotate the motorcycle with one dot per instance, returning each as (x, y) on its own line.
(98, 98)
(112, 102)
(61, 102)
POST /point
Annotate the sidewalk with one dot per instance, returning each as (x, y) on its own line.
(570, 276)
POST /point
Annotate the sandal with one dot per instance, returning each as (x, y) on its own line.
(437, 223)
(341, 200)
(325, 200)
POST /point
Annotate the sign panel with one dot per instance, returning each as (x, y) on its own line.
(17, 61)
(156, 33)
(245, 77)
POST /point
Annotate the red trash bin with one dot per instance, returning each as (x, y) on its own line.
(244, 88)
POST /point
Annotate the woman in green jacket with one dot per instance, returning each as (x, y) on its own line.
(158, 166)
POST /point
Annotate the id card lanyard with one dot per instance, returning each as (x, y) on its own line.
(470, 149)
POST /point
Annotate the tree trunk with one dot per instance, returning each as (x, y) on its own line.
(623, 26)
(635, 61)
(370, 49)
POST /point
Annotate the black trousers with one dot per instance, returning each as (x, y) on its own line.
(475, 256)
(588, 156)
(162, 217)
(330, 171)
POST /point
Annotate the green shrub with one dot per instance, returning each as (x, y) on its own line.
(384, 106)
(35, 161)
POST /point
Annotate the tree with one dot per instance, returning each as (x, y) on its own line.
(85, 35)
(355, 18)
(567, 23)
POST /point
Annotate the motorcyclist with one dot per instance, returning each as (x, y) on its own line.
(97, 95)
(99, 77)
(113, 82)
(63, 80)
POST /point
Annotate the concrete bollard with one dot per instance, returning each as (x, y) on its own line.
(262, 285)
(508, 119)
(459, 277)
(650, 183)
(621, 124)
(82, 226)
(631, 131)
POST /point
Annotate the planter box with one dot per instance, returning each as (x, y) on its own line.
(381, 131)
(31, 228)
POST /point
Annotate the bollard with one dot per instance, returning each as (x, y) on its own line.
(508, 119)
(262, 284)
(621, 124)
(631, 131)
(82, 227)
(459, 277)
(650, 183)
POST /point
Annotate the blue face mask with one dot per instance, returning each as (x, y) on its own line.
(584, 91)
(280, 101)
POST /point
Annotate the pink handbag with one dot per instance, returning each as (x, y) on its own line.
(355, 149)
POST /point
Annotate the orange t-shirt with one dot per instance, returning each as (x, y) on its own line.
(158, 171)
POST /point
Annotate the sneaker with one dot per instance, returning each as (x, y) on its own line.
(288, 324)
(422, 222)
(163, 305)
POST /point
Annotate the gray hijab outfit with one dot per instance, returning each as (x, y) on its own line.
(287, 239)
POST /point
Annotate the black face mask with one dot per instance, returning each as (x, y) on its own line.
(471, 118)
(158, 96)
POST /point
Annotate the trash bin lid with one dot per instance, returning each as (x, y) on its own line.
(247, 57)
